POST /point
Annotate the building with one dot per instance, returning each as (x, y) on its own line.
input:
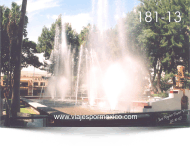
(33, 82)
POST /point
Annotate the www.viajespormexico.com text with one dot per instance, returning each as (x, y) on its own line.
(94, 117)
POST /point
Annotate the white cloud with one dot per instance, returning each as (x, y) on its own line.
(40, 56)
(52, 17)
(35, 31)
(48, 25)
(31, 16)
(78, 21)
(48, 16)
(35, 5)
(30, 69)
(33, 38)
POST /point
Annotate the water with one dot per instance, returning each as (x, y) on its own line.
(78, 74)
(60, 58)
(110, 81)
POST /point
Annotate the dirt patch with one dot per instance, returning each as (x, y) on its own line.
(81, 111)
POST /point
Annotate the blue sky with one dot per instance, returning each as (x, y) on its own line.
(77, 12)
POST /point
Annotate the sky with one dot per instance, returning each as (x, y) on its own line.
(77, 12)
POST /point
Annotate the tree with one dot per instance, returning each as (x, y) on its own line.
(84, 35)
(28, 48)
(10, 54)
(46, 40)
(17, 70)
(165, 41)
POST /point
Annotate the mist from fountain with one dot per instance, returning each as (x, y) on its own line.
(114, 82)
(110, 82)
(78, 73)
(60, 58)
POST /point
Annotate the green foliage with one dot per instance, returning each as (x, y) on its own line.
(9, 30)
(27, 111)
(162, 42)
(72, 37)
(158, 44)
(5, 77)
(187, 84)
(161, 95)
(166, 41)
(46, 39)
(28, 50)
(187, 81)
(166, 82)
(84, 35)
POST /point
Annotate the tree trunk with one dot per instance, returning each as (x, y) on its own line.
(158, 80)
(9, 76)
(11, 86)
(17, 69)
(174, 82)
(152, 82)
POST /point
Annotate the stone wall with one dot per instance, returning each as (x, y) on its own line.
(171, 103)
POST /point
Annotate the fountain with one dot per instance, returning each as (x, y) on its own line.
(60, 58)
(110, 82)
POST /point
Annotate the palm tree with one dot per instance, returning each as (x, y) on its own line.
(12, 30)
(18, 49)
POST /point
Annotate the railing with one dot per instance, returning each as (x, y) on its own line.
(144, 119)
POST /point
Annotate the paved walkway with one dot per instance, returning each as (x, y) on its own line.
(69, 108)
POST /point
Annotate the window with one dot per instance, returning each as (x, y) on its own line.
(35, 84)
(42, 84)
(24, 84)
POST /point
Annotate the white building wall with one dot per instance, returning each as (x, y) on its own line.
(173, 102)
